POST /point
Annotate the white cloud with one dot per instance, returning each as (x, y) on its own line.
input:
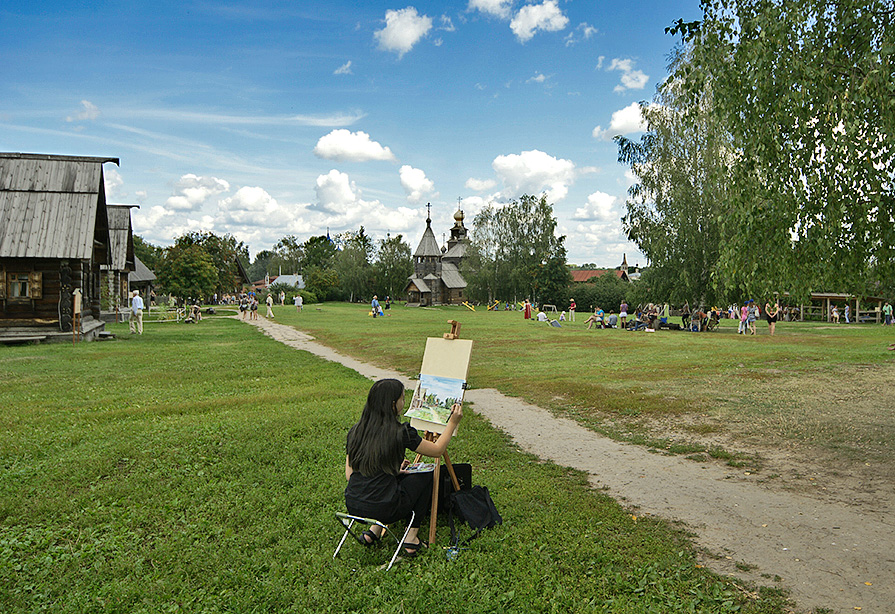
(531, 17)
(344, 145)
(538, 78)
(497, 8)
(252, 206)
(600, 61)
(624, 121)
(89, 111)
(344, 69)
(599, 206)
(631, 79)
(480, 185)
(415, 183)
(403, 29)
(191, 192)
(533, 172)
(112, 179)
(583, 32)
(340, 206)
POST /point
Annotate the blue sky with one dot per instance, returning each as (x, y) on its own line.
(267, 119)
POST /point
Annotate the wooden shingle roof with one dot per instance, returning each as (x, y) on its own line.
(51, 206)
(121, 237)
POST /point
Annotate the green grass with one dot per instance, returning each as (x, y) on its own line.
(668, 390)
(197, 468)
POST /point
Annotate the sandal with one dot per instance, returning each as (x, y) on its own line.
(412, 550)
(373, 538)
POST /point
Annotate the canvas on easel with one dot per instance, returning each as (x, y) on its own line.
(442, 383)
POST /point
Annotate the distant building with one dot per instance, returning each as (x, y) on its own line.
(436, 278)
(590, 275)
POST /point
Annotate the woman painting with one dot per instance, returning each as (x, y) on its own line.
(378, 487)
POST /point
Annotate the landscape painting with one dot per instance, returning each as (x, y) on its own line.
(433, 398)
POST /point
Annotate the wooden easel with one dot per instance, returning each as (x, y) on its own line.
(436, 474)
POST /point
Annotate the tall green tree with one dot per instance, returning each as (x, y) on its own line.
(187, 271)
(353, 265)
(261, 264)
(394, 264)
(676, 208)
(318, 252)
(288, 256)
(148, 253)
(510, 248)
(223, 251)
(806, 89)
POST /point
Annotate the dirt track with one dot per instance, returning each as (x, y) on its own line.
(828, 554)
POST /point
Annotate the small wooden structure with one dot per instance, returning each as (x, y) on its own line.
(871, 311)
(54, 236)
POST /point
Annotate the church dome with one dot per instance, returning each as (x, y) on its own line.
(458, 217)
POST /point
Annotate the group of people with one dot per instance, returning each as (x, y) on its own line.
(248, 305)
(377, 309)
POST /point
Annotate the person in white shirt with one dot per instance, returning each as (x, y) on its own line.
(269, 302)
(136, 316)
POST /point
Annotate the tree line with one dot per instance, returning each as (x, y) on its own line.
(348, 267)
(769, 155)
(514, 254)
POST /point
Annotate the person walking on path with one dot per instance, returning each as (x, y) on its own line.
(269, 302)
(135, 321)
(572, 310)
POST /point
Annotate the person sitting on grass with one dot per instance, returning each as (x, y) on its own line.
(378, 485)
(640, 321)
(542, 317)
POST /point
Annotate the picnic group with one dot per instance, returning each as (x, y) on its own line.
(653, 316)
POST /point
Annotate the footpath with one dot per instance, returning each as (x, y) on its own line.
(828, 555)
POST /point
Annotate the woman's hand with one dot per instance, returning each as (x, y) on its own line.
(456, 413)
(404, 464)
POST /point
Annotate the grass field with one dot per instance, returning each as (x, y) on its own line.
(197, 468)
(822, 388)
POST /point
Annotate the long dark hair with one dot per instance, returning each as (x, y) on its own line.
(374, 443)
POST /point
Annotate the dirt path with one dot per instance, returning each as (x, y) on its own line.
(829, 555)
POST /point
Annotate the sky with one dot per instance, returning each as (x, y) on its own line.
(266, 119)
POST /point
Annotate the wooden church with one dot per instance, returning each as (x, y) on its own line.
(436, 278)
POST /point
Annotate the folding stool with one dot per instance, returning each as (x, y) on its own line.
(347, 521)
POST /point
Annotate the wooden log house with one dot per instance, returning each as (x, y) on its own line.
(54, 236)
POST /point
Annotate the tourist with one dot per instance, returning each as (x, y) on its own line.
(378, 485)
(887, 314)
(623, 314)
(269, 302)
(572, 308)
(135, 319)
(834, 314)
(374, 305)
(298, 302)
(772, 314)
(847, 313)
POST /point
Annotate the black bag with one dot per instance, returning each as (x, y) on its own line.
(476, 507)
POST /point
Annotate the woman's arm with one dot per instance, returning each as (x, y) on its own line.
(435, 449)
(348, 469)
